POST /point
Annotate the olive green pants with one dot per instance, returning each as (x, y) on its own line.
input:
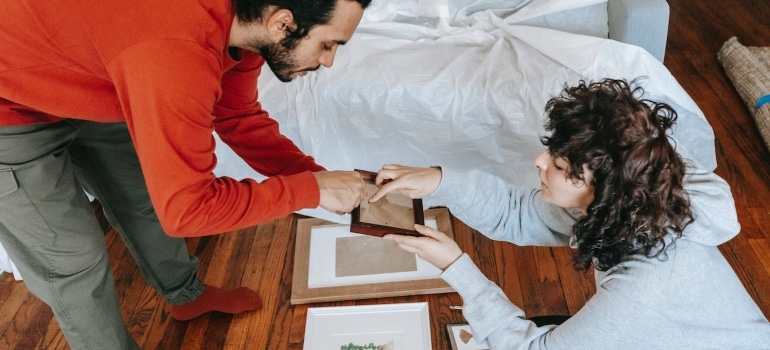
(48, 226)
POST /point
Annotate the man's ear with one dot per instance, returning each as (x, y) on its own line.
(279, 22)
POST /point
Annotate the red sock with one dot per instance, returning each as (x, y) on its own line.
(230, 301)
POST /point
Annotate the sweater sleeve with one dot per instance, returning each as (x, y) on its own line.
(167, 90)
(243, 125)
(503, 212)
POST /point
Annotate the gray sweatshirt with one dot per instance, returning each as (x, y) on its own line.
(692, 299)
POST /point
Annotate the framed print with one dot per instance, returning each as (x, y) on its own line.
(331, 263)
(461, 337)
(371, 327)
(393, 213)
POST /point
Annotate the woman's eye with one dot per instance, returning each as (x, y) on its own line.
(556, 166)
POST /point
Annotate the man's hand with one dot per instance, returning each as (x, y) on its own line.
(436, 247)
(408, 181)
(341, 191)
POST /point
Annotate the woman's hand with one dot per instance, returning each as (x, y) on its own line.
(436, 247)
(408, 181)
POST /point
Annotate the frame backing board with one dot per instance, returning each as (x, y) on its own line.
(301, 293)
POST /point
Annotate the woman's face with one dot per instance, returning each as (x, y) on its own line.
(560, 190)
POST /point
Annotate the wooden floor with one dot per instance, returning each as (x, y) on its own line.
(540, 280)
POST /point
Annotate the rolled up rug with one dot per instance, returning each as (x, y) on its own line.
(749, 70)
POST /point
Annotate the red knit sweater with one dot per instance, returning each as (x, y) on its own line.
(163, 68)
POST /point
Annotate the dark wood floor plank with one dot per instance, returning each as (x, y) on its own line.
(508, 272)
(270, 260)
(578, 286)
(158, 326)
(762, 249)
(14, 296)
(53, 339)
(28, 326)
(541, 289)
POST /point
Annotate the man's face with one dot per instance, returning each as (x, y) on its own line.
(290, 58)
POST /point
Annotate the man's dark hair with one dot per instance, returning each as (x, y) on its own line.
(307, 13)
(638, 176)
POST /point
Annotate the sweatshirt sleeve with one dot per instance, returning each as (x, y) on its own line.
(503, 212)
(243, 125)
(610, 319)
(715, 217)
(167, 90)
(491, 315)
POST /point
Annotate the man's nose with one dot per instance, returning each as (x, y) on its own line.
(327, 58)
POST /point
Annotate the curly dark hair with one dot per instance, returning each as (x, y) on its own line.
(637, 175)
(307, 13)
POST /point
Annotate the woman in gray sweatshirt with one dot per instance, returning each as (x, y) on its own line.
(614, 189)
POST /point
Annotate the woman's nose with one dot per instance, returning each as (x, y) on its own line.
(541, 160)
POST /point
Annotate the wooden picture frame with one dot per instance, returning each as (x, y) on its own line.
(301, 293)
(392, 214)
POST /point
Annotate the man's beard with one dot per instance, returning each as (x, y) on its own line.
(280, 58)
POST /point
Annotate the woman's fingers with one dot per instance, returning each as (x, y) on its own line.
(407, 181)
(435, 247)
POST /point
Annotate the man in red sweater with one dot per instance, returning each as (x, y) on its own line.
(121, 98)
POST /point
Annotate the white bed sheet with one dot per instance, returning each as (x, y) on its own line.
(467, 91)
(457, 83)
